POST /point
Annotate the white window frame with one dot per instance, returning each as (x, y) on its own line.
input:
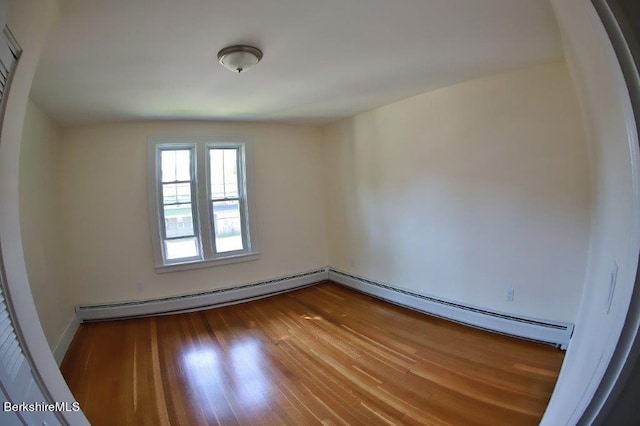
(201, 202)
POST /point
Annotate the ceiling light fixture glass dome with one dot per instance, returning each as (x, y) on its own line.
(239, 58)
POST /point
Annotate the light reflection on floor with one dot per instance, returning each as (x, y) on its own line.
(205, 379)
(246, 384)
(251, 384)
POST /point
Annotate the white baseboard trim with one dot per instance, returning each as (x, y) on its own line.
(553, 332)
(203, 300)
(65, 340)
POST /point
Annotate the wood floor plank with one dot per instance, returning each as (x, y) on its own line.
(320, 355)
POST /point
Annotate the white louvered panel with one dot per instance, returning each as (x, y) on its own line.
(6, 59)
(11, 356)
(8, 54)
(5, 55)
(14, 360)
(8, 418)
(5, 332)
(8, 341)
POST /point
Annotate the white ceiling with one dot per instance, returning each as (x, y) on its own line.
(323, 60)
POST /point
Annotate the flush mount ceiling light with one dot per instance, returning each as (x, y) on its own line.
(239, 58)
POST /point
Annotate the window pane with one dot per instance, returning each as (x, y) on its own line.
(223, 164)
(168, 163)
(178, 220)
(176, 165)
(173, 193)
(183, 165)
(230, 173)
(182, 248)
(169, 194)
(184, 192)
(216, 166)
(227, 226)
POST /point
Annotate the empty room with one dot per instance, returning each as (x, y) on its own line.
(337, 212)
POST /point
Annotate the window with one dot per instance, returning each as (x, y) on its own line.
(177, 189)
(199, 205)
(226, 202)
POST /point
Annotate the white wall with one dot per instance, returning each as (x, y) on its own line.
(107, 243)
(615, 219)
(39, 222)
(465, 191)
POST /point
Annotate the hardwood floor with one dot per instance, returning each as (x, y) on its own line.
(319, 355)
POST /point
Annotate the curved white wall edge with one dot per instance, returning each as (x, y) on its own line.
(627, 353)
(30, 21)
(610, 123)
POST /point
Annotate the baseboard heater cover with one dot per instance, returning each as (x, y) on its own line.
(202, 300)
(553, 332)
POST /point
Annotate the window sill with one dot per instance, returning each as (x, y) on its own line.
(198, 264)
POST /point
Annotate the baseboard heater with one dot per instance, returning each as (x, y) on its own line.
(552, 332)
(203, 300)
